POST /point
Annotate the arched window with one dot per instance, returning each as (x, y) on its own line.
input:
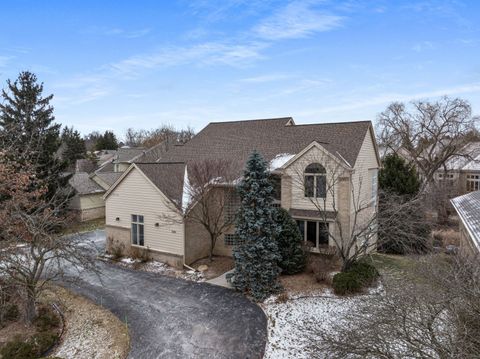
(315, 181)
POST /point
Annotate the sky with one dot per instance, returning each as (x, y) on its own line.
(112, 65)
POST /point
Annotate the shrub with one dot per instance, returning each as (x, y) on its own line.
(18, 349)
(290, 243)
(11, 312)
(346, 283)
(366, 272)
(46, 320)
(360, 274)
(139, 254)
(116, 249)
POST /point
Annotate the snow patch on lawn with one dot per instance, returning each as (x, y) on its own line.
(293, 325)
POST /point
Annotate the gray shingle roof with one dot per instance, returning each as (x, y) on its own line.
(127, 154)
(109, 177)
(236, 140)
(167, 177)
(468, 208)
(83, 184)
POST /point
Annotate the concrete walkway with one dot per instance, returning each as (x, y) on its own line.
(221, 280)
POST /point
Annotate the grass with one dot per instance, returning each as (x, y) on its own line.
(395, 263)
(79, 227)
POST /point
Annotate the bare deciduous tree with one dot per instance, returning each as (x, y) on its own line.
(210, 192)
(32, 250)
(430, 133)
(434, 313)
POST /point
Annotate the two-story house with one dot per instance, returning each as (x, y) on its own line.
(323, 174)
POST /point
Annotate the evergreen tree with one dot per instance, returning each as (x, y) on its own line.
(289, 241)
(398, 177)
(28, 134)
(107, 142)
(73, 147)
(408, 231)
(257, 256)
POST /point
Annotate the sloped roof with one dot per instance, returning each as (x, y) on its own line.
(127, 154)
(167, 177)
(109, 177)
(468, 208)
(236, 140)
(153, 154)
(470, 163)
(83, 184)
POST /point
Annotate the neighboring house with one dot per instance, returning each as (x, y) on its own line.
(148, 206)
(468, 209)
(462, 173)
(88, 200)
(90, 183)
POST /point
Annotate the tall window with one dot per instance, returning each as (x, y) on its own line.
(231, 206)
(315, 181)
(374, 189)
(315, 232)
(473, 183)
(276, 182)
(137, 230)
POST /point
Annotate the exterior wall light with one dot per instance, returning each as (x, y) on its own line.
(117, 219)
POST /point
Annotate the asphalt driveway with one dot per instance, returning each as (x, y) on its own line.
(173, 318)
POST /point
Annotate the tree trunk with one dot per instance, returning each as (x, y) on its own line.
(30, 309)
(212, 246)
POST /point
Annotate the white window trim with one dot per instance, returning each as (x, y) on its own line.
(138, 223)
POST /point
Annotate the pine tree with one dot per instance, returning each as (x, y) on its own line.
(73, 147)
(107, 142)
(257, 256)
(28, 134)
(398, 177)
(399, 183)
(289, 241)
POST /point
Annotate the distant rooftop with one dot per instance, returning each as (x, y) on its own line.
(468, 208)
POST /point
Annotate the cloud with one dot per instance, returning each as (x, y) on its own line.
(209, 53)
(266, 78)
(392, 97)
(424, 45)
(296, 20)
(116, 31)
(4, 60)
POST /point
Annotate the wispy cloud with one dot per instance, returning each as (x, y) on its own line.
(4, 60)
(423, 46)
(266, 78)
(209, 53)
(116, 31)
(296, 20)
(387, 98)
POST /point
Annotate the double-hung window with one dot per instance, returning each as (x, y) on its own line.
(315, 181)
(137, 230)
(473, 182)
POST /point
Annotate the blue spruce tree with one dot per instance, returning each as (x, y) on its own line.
(256, 259)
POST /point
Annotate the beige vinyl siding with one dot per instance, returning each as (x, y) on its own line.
(361, 180)
(135, 194)
(365, 165)
(89, 201)
(296, 172)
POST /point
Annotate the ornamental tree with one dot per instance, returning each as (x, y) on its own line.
(289, 240)
(256, 256)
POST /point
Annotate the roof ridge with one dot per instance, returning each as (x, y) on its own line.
(254, 120)
(159, 163)
(332, 123)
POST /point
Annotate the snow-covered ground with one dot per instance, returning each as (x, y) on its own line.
(154, 266)
(293, 325)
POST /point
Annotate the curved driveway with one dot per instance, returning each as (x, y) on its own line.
(174, 318)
